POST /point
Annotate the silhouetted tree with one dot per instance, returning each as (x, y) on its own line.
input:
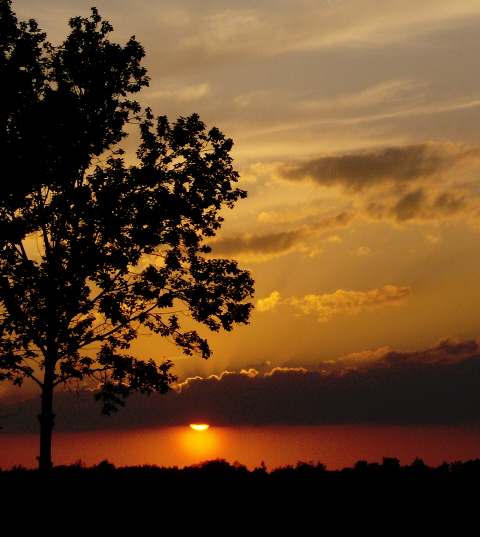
(361, 466)
(390, 464)
(92, 249)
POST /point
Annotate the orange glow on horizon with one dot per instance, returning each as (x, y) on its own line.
(199, 427)
(336, 446)
(203, 446)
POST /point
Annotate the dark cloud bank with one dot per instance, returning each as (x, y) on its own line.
(437, 386)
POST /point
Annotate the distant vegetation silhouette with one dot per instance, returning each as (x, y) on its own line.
(219, 498)
(92, 250)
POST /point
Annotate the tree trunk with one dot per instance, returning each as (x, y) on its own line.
(46, 418)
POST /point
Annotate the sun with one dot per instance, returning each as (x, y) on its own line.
(199, 427)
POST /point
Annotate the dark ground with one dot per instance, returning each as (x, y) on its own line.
(217, 498)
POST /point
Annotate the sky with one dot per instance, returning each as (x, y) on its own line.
(355, 125)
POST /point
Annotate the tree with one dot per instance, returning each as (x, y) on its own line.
(93, 249)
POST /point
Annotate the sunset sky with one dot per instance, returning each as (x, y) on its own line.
(356, 131)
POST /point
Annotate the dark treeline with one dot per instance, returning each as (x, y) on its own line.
(219, 498)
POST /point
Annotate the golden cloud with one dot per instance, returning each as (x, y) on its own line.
(352, 302)
(341, 301)
(269, 303)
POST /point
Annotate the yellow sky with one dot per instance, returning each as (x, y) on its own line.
(356, 133)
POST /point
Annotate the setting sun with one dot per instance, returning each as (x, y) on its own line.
(201, 427)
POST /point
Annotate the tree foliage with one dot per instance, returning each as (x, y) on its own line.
(93, 249)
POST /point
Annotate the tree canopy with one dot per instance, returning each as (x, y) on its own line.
(93, 249)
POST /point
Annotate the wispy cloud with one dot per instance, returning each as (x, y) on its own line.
(182, 93)
(275, 27)
(391, 94)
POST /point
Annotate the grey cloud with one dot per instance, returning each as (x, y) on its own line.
(422, 205)
(450, 203)
(356, 171)
(446, 350)
(271, 243)
(408, 206)
(278, 243)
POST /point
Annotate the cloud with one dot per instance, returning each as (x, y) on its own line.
(223, 31)
(431, 386)
(361, 251)
(437, 385)
(341, 301)
(423, 205)
(401, 94)
(187, 93)
(401, 164)
(288, 216)
(262, 367)
(263, 247)
(269, 303)
(446, 350)
(401, 184)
